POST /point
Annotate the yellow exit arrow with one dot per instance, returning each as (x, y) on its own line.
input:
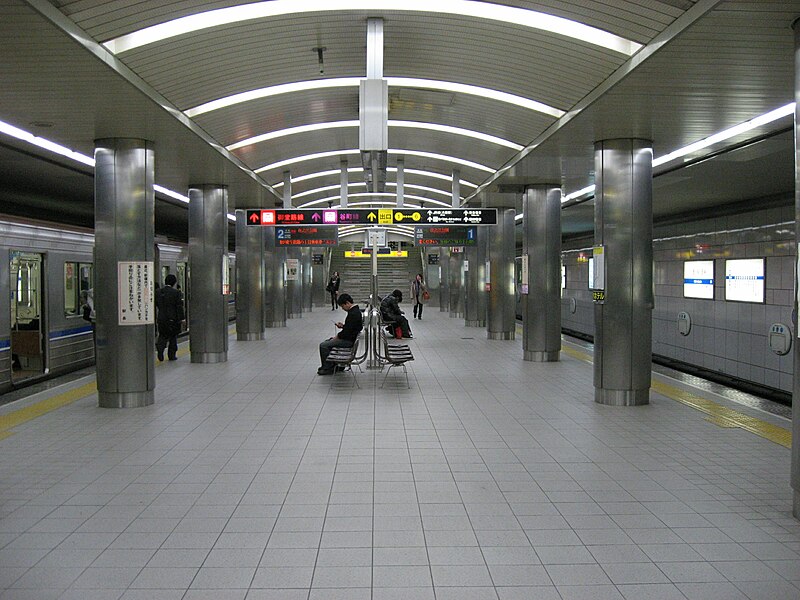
(371, 216)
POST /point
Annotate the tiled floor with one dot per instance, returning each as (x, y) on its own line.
(492, 478)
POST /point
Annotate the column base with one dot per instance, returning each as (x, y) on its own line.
(209, 357)
(272, 324)
(295, 315)
(244, 336)
(500, 335)
(125, 399)
(456, 315)
(541, 356)
(444, 308)
(796, 505)
(622, 397)
(474, 323)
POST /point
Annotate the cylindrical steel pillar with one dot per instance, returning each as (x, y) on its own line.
(249, 280)
(456, 274)
(124, 261)
(541, 245)
(305, 273)
(623, 226)
(474, 281)
(274, 281)
(294, 284)
(444, 279)
(501, 318)
(208, 262)
(795, 476)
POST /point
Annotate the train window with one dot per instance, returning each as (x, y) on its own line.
(77, 279)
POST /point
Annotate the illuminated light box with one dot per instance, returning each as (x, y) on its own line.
(698, 279)
(744, 280)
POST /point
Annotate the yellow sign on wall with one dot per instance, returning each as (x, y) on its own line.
(392, 254)
(385, 216)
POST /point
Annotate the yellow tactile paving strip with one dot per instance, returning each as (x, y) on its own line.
(718, 414)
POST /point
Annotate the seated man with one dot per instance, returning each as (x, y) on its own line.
(391, 313)
(346, 337)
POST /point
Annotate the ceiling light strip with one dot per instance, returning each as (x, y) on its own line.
(273, 135)
(336, 198)
(404, 82)
(462, 8)
(337, 172)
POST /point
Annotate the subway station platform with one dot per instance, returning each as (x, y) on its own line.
(491, 478)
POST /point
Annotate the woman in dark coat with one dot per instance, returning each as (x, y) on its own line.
(333, 288)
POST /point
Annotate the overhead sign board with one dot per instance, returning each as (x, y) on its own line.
(365, 216)
(309, 235)
(445, 236)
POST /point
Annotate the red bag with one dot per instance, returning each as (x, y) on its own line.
(398, 332)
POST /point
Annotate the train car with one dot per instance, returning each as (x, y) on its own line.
(46, 272)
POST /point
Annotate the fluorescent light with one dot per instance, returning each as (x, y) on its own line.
(589, 189)
(317, 155)
(171, 194)
(407, 82)
(363, 229)
(272, 135)
(419, 172)
(727, 134)
(41, 142)
(326, 188)
(423, 188)
(373, 195)
(464, 8)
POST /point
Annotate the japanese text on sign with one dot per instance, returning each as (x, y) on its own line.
(135, 286)
(383, 216)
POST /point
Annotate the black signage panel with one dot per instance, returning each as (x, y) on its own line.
(445, 236)
(317, 259)
(433, 259)
(366, 216)
(307, 235)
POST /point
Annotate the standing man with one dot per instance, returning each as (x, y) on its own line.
(350, 329)
(169, 308)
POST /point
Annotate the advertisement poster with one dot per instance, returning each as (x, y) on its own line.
(135, 300)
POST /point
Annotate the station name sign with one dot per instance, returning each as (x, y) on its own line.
(421, 217)
(306, 235)
(445, 236)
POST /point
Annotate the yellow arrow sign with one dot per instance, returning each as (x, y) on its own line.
(371, 216)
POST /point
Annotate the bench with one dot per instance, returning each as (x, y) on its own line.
(345, 357)
(395, 355)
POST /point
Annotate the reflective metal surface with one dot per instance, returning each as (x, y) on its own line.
(294, 286)
(306, 274)
(624, 226)
(249, 280)
(795, 479)
(541, 242)
(124, 216)
(456, 287)
(501, 317)
(208, 245)
(274, 282)
(475, 297)
(444, 279)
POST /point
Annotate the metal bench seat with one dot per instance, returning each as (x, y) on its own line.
(345, 357)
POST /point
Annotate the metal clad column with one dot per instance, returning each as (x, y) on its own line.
(444, 279)
(501, 318)
(401, 182)
(274, 281)
(249, 280)
(456, 273)
(795, 475)
(305, 270)
(124, 231)
(294, 284)
(623, 224)
(541, 242)
(208, 247)
(475, 277)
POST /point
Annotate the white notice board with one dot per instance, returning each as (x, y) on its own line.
(135, 300)
(292, 269)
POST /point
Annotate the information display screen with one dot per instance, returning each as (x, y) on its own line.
(744, 280)
(590, 283)
(698, 279)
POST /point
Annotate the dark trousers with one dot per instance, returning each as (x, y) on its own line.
(418, 310)
(401, 322)
(326, 347)
(333, 299)
(168, 337)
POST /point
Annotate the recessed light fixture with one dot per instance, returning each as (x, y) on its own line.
(518, 17)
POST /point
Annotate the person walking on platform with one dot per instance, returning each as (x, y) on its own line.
(169, 314)
(419, 295)
(333, 288)
(391, 313)
(350, 329)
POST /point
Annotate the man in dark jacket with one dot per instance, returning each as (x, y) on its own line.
(346, 337)
(391, 313)
(169, 311)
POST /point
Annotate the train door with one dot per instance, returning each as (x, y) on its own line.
(27, 320)
(182, 273)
